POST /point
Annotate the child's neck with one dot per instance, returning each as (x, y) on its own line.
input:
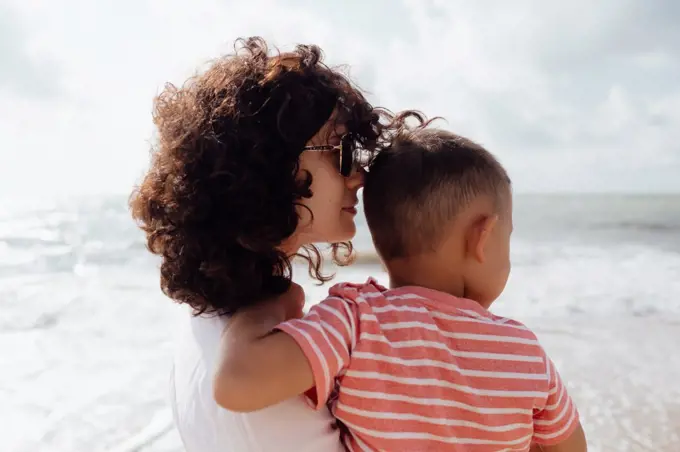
(423, 271)
(451, 285)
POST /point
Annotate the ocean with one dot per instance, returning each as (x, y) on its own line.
(86, 335)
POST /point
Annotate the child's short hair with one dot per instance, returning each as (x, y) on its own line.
(416, 187)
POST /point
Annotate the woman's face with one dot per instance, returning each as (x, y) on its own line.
(334, 197)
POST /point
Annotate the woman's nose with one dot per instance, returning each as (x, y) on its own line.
(356, 180)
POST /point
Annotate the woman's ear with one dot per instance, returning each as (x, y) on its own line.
(477, 237)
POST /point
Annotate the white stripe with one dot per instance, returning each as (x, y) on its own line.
(408, 326)
(393, 308)
(552, 407)
(405, 296)
(331, 329)
(431, 402)
(491, 338)
(548, 372)
(335, 333)
(442, 365)
(490, 320)
(433, 420)
(391, 297)
(353, 327)
(476, 317)
(372, 294)
(453, 318)
(557, 418)
(562, 430)
(443, 384)
(364, 447)
(470, 336)
(321, 331)
(338, 314)
(417, 343)
(320, 357)
(472, 313)
(429, 436)
(368, 317)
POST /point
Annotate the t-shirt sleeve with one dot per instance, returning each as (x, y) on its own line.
(557, 419)
(326, 335)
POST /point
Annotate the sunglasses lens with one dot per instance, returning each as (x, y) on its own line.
(346, 155)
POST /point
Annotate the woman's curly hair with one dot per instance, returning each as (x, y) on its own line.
(221, 193)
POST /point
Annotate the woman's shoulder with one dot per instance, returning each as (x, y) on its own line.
(204, 426)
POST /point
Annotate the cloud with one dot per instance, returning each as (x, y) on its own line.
(571, 96)
(572, 91)
(114, 57)
(21, 71)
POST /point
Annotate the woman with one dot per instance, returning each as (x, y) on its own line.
(256, 161)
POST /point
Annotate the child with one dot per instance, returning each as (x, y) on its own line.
(423, 365)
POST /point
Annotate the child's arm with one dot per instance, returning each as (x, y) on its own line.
(557, 427)
(262, 362)
(257, 366)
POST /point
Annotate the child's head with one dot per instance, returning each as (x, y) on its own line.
(439, 208)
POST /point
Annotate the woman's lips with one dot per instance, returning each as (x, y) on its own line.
(352, 210)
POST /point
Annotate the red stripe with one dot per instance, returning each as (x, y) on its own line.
(526, 398)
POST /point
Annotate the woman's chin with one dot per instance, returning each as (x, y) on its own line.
(344, 233)
(349, 230)
(342, 230)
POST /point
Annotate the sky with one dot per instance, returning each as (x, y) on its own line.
(575, 96)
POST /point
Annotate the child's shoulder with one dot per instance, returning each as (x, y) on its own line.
(507, 321)
(517, 328)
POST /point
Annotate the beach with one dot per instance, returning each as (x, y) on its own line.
(87, 337)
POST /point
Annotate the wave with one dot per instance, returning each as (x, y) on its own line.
(639, 226)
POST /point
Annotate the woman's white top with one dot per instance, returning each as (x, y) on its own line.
(291, 426)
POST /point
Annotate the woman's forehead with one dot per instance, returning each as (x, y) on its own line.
(335, 127)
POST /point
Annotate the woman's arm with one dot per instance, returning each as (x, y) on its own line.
(258, 366)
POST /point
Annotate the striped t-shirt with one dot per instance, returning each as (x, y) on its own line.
(418, 369)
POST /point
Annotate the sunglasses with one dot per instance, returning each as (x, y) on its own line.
(350, 157)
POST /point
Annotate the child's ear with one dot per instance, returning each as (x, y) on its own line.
(478, 237)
